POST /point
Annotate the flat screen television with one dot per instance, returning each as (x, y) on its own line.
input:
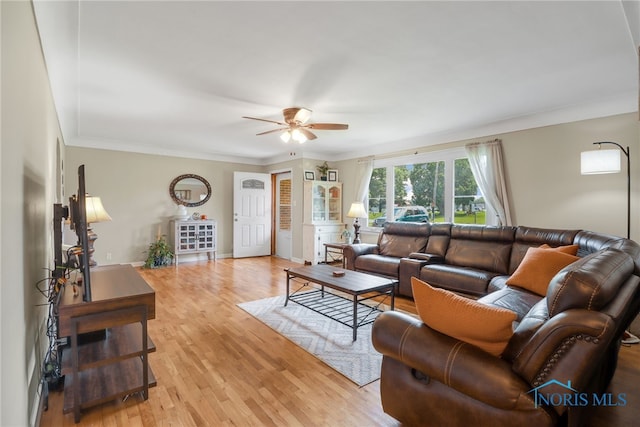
(78, 219)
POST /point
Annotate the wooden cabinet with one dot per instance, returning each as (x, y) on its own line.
(194, 236)
(315, 236)
(322, 218)
(115, 364)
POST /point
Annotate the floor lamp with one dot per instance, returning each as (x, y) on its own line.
(608, 161)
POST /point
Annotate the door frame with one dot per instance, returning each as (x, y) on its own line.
(274, 208)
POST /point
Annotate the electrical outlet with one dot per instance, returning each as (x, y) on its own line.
(108, 256)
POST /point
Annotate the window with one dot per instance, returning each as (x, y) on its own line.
(431, 187)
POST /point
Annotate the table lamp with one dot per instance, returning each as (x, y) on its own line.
(357, 211)
(95, 213)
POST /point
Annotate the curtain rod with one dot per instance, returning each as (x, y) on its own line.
(414, 152)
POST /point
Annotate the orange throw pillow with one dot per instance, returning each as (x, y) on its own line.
(487, 327)
(538, 267)
(569, 249)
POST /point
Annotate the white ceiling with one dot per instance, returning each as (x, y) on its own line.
(175, 77)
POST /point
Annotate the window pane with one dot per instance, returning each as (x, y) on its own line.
(377, 195)
(426, 182)
(469, 203)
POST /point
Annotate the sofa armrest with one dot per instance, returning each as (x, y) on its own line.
(565, 347)
(427, 258)
(351, 252)
(411, 266)
(458, 365)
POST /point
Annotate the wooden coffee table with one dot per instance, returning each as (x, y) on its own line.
(345, 305)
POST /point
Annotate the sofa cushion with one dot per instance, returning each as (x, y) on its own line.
(482, 247)
(589, 283)
(400, 239)
(487, 327)
(439, 239)
(538, 268)
(517, 300)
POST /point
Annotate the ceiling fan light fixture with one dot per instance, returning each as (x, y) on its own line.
(298, 136)
(286, 136)
(302, 116)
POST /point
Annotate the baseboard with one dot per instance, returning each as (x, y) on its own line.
(40, 406)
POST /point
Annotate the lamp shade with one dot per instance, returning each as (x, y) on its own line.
(600, 161)
(357, 210)
(95, 210)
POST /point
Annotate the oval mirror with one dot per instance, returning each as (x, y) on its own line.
(190, 190)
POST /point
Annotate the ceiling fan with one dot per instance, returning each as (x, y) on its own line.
(296, 126)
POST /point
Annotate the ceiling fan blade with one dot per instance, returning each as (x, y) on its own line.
(307, 133)
(272, 131)
(265, 120)
(327, 126)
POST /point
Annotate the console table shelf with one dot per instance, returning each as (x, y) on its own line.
(106, 383)
(116, 363)
(121, 343)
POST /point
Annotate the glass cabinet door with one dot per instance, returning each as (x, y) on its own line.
(319, 202)
(335, 200)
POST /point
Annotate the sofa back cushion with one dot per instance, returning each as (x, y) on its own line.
(439, 239)
(399, 239)
(589, 283)
(482, 247)
(528, 237)
(590, 242)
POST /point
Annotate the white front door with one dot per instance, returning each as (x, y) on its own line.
(284, 211)
(251, 214)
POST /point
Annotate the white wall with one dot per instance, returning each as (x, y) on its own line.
(547, 189)
(134, 189)
(542, 167)
(544, 181)
(28, 175)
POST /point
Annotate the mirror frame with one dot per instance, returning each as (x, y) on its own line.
(172, 192)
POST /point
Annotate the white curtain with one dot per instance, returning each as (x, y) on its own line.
(363, 176)
(485, 159)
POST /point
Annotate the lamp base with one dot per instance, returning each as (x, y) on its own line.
(90, 250)
(356, 232)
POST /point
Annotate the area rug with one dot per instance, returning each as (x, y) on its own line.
(328, 340)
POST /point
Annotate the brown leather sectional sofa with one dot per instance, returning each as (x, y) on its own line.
(563, 352)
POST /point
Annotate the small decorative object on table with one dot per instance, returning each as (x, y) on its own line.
(338, 273)
(346, 235)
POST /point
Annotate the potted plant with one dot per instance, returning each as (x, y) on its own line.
(322, 170)
(159, 254)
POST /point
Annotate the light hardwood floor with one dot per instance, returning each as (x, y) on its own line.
(218, 366)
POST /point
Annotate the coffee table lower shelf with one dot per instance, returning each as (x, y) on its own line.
(353, 314)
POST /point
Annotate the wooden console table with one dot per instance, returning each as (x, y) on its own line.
(115, 365)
